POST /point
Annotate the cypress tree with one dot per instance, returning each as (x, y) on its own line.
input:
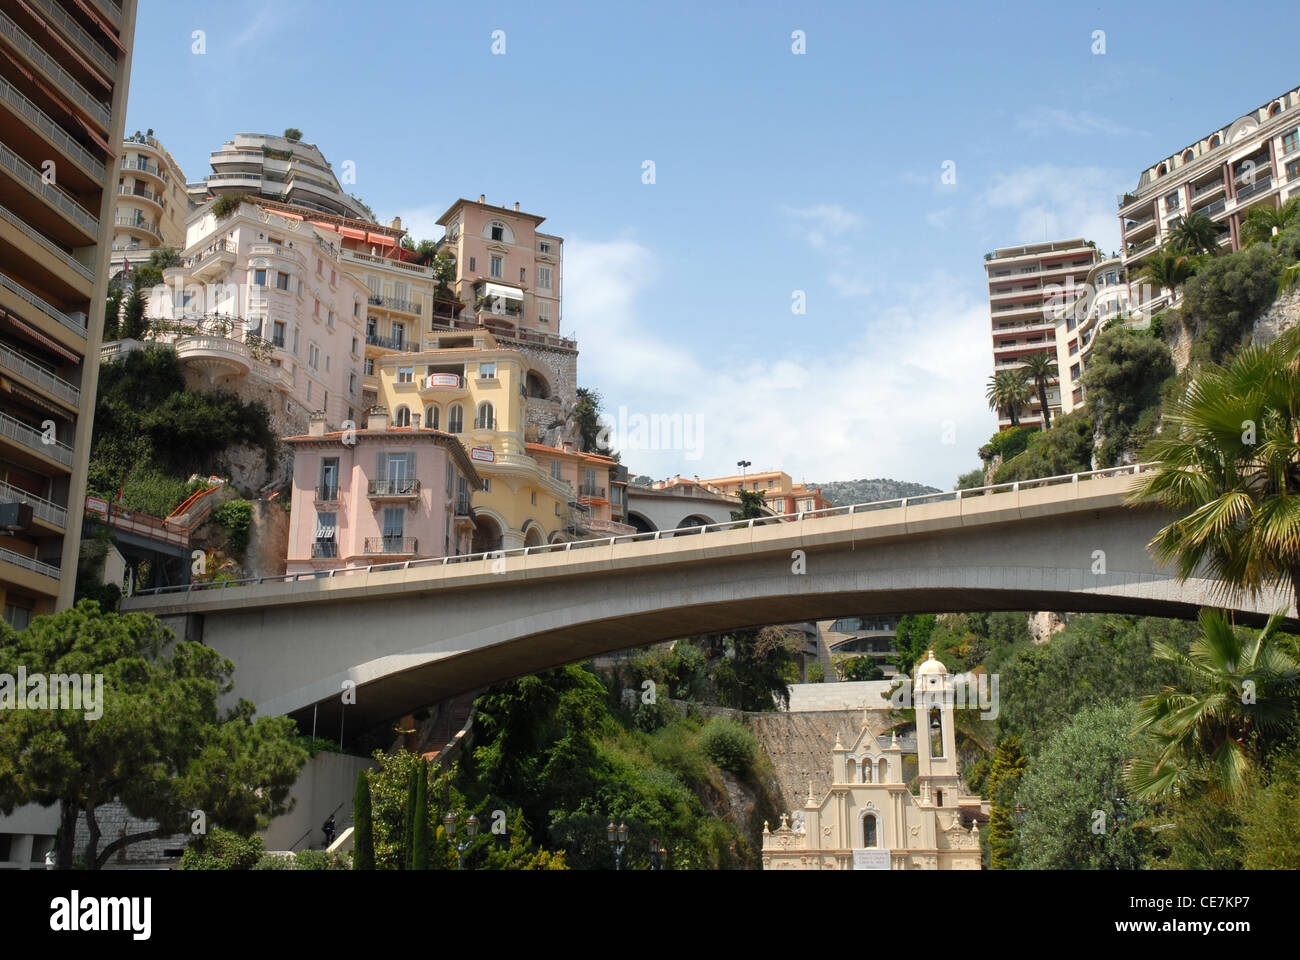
(420, 838)
(409, 833)
(1004, 778)
(363, 838)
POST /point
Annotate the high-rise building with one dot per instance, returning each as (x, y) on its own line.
(278, 168)
(1105, 298)
(64, 70)
(1253, 160)
(1028, 286)
(152, 204)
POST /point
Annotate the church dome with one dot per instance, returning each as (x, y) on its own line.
(931, 667)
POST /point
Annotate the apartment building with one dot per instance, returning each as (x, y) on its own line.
(1028, 286)
(261, 300)
(278, 168)
(781, 494)
(152, 204)
(598, 489)
(1105, 298)
(378, 493)
(64, 70)
(471, 386)
(1253, 160)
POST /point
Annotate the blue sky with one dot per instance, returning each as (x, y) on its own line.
(774, 173)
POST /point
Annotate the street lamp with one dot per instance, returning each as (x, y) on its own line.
(658, 855)
(743, 464)
(471, 830)
(617, 842)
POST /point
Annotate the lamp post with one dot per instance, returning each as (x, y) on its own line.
(658, 855)
(743, 464)
(617, 837)
(471, 830)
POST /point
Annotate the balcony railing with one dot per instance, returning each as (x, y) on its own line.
(40, 238)
(324, 550)
(391, 546)
(52, 194)
(142, 165)
(79, 327)
(390, 344)
(37, 54)
(74, 30)
(215, 250)
(1207, 187)
(461, 507)
(408, 487)
(124, 191)
(35, 373)
(1212, 209)
(393, 303)
(1259, 186)
(138, 223)
(591, 490)
(30, 437)
(47, 510)
(29, 563)
(327, 492)
(52, 130)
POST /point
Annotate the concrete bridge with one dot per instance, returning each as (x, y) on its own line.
(413, 633)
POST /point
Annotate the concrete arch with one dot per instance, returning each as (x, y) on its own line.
(641, 524)
(534, 535)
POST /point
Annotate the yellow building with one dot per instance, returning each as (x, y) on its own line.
(467, 384)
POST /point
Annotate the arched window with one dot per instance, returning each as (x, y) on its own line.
(455, 418)
(883, 771)
(486, 417)
(852, 770)
(1187, 157)
(1215, 141)
(402, 418)
(869, 832)
(1160, 170)
(1274, 110)
(936, 732)
(431, 418)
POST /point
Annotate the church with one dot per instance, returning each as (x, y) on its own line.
(869, 819)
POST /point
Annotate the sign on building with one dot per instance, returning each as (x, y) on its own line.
(484, 454)
(97, 505)
(870, 859)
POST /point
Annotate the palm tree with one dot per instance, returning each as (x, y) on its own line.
(1196, 234)
(1258, 223)
(1168, 269)
(1008, 391)
(1230, 467)
(1236, 698)
(1040, 368)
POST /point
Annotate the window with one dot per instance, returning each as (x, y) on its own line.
(455, 418)
(372, 328)
(869, 830)
(1291, 140)
(313, 356)
(487, 485)
(1074, 372)
(330, 320)
(281, 281)
(487, 371)
(405, 374)
(296, 337)
(1187, 157)
(544, 246)
(557, 470)
(327, 363)
(259, 277)
(277, 336)
(356, 310)
(431, 421)
(486, 418)
(315, 310)
(352, 384)
(471, 264)
(498, 231)
(394, 528)
(1074, 347)
(320, 267)
(309, 391)
(544, 277)
(334, 278)
(496, 266)
(399, 335)
(300, 288)
(1171, 202)
(402, 418)
(18, 617)
(370, 366)
(533, 498)
(326, 544)
(354, 346)
(1293, 169)
(544, 311)
(522, 274)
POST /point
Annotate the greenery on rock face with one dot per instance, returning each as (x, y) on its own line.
(236, 516)
(1226, 296)
(160, 745)
(1066, 448)
(1124, 382)
(731, 745)
(744, 670)
(151, 431)
(1076, 812)
(586, 413)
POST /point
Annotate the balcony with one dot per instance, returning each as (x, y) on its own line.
(442, 381)
(388, 343)
(591, 491)
(393, 303)
(94, 108)
(276, 250)
(51, 130)
(140, 165)
(1136, 248)
(324, 550)
(213, 262)
(1207, 188)
(77, 326)
(36, 566)
(51, 194)
(403, 489)
(391, 546)
(113, 9)
(142, 193)
(34, 439)
(140, 224)
(1262, 185)
(62, 255)
(43, 509)
(1212, 209)
(216, 356)
(327, 493)
(35, 374)
(461, 508)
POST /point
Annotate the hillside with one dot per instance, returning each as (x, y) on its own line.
(843, 492)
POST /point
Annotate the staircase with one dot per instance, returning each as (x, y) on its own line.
(800, 746)
(449, 717)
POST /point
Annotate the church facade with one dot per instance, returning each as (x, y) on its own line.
(869, 819)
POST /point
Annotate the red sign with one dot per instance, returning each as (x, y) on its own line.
(443, 380)
(97, 505)
(484, 454)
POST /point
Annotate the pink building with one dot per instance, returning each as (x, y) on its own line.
(376, 495)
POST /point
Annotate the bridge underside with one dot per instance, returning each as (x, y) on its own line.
(406, 641)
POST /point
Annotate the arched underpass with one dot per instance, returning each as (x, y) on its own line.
(410, 637)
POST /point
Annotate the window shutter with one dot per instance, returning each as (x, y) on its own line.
(381, 473)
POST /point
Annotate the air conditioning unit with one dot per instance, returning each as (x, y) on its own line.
(79, 318)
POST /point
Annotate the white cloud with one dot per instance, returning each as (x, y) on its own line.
(824, 222)
(1054, 120)
(421, 222)
(875, 404)
(1049, 202)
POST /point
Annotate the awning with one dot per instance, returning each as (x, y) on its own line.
(105, 82)
(381, 239)
(354, 234)
(40, 337)
(286, 214)
(49, 406)
(103, 24)
(499, 290)
(94, 135)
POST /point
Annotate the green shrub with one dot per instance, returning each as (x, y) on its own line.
(1123, 384)
(1066, 448)
(1226, 296)
(270, 862)
(319, 860)
(236, 516)
(222, 850)
(729, 744)
(816, 672)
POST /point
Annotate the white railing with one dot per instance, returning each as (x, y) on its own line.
(51, 129)
(42, 304)
(30, 437)
(63, 255)
(38, 375)
(74, 30)
(29, 563)
(47, 510)
(895, 504)
(51, 66)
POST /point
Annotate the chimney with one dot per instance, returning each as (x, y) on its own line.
(415, 421)
(482, 198)
(516, 206)
(377, 418)
(317, 426)
(396, 224)
(568, 446)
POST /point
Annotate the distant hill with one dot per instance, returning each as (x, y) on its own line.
(844, 492)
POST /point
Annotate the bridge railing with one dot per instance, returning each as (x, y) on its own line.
(569, 546)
